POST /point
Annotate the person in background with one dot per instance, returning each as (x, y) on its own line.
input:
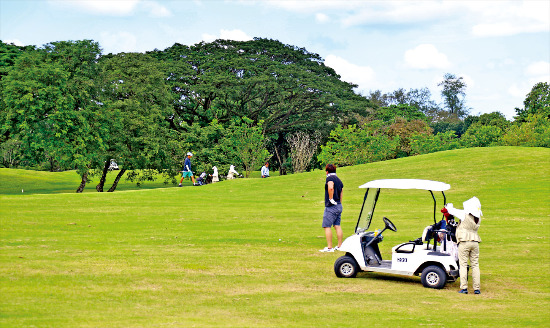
(468, 242)
(215, 177)
(333, 208)
(187, 173)
(232, 173)
(265, 170)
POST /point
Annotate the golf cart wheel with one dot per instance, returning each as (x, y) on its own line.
(346, 267)
(433, 277)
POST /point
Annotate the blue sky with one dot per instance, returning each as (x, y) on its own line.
(500, 48)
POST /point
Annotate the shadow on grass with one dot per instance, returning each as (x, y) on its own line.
(389, 277)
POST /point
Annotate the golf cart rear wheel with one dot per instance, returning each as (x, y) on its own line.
(346, 267)
(434, 277)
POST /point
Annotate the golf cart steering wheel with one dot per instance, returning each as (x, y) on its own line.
(389, 224)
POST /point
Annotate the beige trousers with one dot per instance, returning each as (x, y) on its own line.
(469, 250)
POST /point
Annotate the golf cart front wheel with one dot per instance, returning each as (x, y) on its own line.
(434, 277)
(346, 267)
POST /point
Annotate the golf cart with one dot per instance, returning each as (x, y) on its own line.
(417, 257)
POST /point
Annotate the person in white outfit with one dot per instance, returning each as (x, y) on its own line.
(468, 242)
(232, 173)
(215, 177)
(265, 170)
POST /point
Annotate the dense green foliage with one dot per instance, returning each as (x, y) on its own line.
(67, 106)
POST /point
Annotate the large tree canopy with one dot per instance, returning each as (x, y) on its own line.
(284, 86)
(137, 101)
(537, 101)
(49, 98)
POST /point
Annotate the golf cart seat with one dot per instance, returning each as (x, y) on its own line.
(408, 247)
(404, 248)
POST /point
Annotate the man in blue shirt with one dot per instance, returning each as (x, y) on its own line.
(333, 208)
(187, 169)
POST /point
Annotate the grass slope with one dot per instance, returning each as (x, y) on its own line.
(14, 182)
(245, 252)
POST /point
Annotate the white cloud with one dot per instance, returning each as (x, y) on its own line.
(468, 80)
(426, 56)
(363, 76)
(534, 73)
(398, 12)
(15, 42)
(118, 42)
(483, 18)
(114, 7)
(512, 18)
(310, 6)
(519, 90)
(538, 71)
(322, 18)
(236, 35)
(155, 9)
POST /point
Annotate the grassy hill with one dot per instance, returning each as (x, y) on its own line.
(244, 253)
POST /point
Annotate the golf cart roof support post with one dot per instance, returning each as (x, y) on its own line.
(444, 203)
(435, 205)
(363, 207)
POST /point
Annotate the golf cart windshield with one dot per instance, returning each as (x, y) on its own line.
(373, 192)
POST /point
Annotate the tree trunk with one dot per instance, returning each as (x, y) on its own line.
(101, 183)
(117, 179)
(281, 170)
(83, 182)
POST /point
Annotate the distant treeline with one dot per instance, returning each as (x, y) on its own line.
(66, 105)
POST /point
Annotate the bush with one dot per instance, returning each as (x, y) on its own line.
(482, 136)
(352, 145)
(535, 132)
(424, 144)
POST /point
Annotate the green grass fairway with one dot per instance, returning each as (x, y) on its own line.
(244, 253)
(15, 182)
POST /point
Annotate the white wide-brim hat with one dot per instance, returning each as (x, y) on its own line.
(473, 206)
(189, 154)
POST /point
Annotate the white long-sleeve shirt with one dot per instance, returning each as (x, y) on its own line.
(265, 171)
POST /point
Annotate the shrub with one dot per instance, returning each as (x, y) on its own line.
(352, 145)
(535, 132)
(482, 136)
(424, 144)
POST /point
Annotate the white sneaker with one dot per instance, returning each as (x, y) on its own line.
(327, 250)
(336, 248)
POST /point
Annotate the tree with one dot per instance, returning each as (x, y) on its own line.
(286, 87)
(537, 101)
(534, 132)
(137, 101)
(302, 148)
(352, 145)
(479, 135)
(403, 111)
(453, 93)
(50, 105)
(403, 130)
(8, 55)
(10, 152)
(247, 142)
(424, 144)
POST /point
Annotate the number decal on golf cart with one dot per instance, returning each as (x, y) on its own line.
(401, 259)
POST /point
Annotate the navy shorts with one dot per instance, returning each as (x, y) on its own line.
(332, 216)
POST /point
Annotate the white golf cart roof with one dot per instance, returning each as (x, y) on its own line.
(407, 184)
